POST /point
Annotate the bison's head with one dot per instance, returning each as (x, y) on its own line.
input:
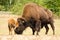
(22, 25)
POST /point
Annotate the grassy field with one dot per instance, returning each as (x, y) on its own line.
(28, 31)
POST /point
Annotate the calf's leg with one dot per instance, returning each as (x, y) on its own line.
(10, 30)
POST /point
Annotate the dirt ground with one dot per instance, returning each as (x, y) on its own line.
(28, 32)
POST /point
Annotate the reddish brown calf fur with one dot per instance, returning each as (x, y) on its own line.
(11, 25)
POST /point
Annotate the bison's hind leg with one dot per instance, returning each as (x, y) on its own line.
(47, 29)
(53, 28)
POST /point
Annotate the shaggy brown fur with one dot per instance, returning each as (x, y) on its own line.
(37, 16)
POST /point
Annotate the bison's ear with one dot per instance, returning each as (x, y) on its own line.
(23, 20)
(18, 19)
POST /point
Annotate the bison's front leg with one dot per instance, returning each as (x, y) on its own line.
(33, 31)
(38, 26)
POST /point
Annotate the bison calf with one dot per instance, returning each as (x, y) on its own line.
(12, 24)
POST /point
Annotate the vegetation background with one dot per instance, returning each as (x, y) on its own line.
(16, 6)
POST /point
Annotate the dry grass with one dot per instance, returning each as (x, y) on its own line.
(28, 31)
(22, 37)
(27, 34)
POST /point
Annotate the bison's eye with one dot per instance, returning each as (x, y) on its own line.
(23, 21)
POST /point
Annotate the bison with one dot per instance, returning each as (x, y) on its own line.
(35, 17)
(12, 24)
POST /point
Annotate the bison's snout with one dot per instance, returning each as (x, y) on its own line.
(18, 31)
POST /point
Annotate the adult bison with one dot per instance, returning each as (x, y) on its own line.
(36, 17)
(12, 24)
